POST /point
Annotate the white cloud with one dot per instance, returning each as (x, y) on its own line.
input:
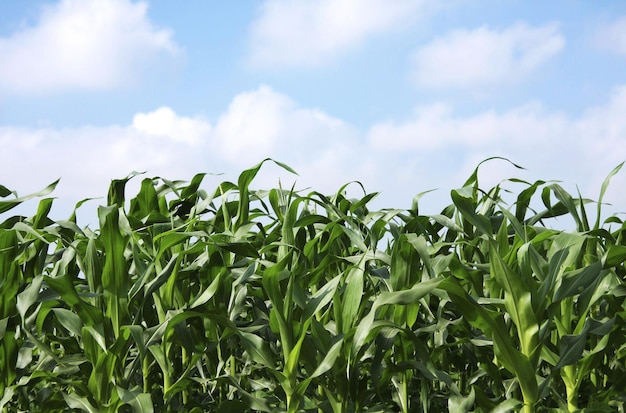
(82, 44)
(263, 123)
(436, 148)
(87, 158)
(435, 127)
(602, 131)
(257, 124)
(311, 33)
(164, 122)
(468, 58)
(612, 36)
(445, 147)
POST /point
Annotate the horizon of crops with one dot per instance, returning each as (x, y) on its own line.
(237, 299)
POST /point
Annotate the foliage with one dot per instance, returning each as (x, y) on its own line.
(250, 300)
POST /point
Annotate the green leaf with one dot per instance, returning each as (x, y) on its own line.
(116, 195)
(576, 281)
(463, 200)
(115, 271)
(70, 320)
(207, 294)
(245, 178)
(140, 402)
(75, 401)
(100, 381)
(4, 191)
(406, 297)
(64, 286)
(518, 301)
(256, 347)
(367, 325)
(352, 297)
(7, 396)
(6, 205)
(321, 298)
(615, 255)
(510, 405)
(462, 404)
(571, 347)
(28, 297)
(329, 359)
(291, 366)
(604, 187)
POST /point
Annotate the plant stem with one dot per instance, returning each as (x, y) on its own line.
(145, 367)
(571, 389)
(184, 356)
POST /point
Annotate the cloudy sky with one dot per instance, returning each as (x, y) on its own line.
(402, 95)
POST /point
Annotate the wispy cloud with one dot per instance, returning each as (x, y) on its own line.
(550, 144)
(483, 56)
(436, 127)
(82, 45)
(313, 33)
(612, 36)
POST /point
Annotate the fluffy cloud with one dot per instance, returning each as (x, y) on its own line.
(257, 124)
(310, 33)
(613, 36)
(436, 148)
(165, 123)
(82, 44)
(87, 158)
(264, 123)
(468, 58)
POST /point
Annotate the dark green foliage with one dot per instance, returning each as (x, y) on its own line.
(242, 300)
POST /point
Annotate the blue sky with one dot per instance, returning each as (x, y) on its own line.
(402, 95)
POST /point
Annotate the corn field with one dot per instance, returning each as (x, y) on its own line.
(241, 300)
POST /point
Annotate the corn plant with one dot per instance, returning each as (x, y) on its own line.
(244, 299)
